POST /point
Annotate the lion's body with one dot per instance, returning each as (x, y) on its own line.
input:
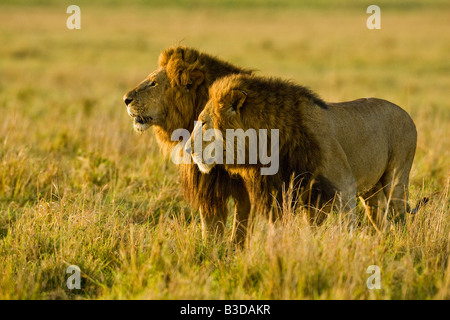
(347, 149)
(377, 138)
(171, 98)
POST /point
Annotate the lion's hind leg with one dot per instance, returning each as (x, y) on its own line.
(395, 186)
(375, 205)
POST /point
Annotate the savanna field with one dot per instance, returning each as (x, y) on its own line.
(79, 187)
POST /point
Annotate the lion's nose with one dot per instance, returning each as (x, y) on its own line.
(127, 100)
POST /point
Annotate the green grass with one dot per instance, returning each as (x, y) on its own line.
(78, 186)
(241, 4)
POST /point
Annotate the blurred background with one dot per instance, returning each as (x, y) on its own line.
(53, 79)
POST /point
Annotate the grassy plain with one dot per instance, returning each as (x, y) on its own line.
(79, 187)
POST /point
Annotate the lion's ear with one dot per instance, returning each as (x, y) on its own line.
(191, 79)
(237, 99)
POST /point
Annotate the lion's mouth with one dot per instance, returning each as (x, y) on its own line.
(143, 120)
(142, 123)
(139, 118)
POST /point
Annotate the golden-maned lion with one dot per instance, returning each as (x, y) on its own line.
(171, 98)
(339, 150)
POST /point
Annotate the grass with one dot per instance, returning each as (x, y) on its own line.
(79, 187)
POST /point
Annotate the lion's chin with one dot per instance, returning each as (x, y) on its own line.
(203, 167)
(141, 127)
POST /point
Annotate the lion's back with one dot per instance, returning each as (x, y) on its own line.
(373, 118)
(375, 134)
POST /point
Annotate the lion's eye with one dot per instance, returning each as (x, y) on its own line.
(152, 84)
(203, 124)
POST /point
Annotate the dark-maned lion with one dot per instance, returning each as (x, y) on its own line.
(362, 147)
(171, 98)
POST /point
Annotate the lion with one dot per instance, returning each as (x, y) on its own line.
(171, 98)
(339, 150)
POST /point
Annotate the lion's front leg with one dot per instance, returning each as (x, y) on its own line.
(241, 215)
(213, 223)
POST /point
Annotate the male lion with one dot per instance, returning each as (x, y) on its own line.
(339, 150)
(171, 98)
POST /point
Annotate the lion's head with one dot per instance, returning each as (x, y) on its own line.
(167, 96)
(145, 103)
(173, 95)
(224, 137)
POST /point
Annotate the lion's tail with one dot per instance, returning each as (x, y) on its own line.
(421, 203)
